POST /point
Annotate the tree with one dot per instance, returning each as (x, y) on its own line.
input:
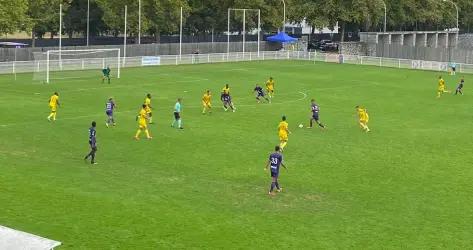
(13, 16)
(75, 18)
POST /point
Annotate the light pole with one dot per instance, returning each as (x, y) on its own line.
(385, 15)
(88, 21)
(456, 7)
(284, 16)
(139, 21)
(458, 26)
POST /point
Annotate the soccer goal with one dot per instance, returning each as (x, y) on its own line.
(75, 64)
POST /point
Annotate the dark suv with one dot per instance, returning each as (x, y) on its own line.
(323, 45)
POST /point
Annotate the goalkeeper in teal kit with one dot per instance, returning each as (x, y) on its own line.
(106, 74)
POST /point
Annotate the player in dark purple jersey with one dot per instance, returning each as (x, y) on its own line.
(275, 161)
(227, 101)
(315, 109)
(109, 108)
(460, 87)
(260, 93)
(92, 143)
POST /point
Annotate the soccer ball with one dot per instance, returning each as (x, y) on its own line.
(301, 125)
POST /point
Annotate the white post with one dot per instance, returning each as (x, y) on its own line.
(60, 35)
(14, 70)
(284, 17)
(47, 66)
(124, 38)
(212, 36)
(88, 21)
(139, 21)
(259, 30)
(228, 33)
(399, 63)
(244, 31)
(180, 38)
(118, 64)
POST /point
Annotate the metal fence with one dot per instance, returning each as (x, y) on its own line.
(134, 50)
(97, 63)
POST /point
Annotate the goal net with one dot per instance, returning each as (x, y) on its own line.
(55, 65)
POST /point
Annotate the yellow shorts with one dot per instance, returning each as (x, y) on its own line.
(143, 125)
(53, 108)
(364, 121)
(270, 90)
(206, 105)
(148, 110)
(283, 137)
(441, 89)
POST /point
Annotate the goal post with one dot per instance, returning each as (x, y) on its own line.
(64, 64)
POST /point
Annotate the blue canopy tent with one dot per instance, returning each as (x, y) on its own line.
(281, 37)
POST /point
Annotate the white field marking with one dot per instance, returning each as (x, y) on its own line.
(133, 86)
(304, 96)
(236, 69)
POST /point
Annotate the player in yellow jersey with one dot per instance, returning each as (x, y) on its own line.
(226, 90)
(283, 131)
(148, 108)
(270, 88)
(363, 118)
(53, 105)
(441, 88)
(206, 102)
(142, 119)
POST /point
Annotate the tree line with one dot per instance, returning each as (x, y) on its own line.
(158, 17)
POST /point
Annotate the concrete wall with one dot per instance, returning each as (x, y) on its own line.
(465, 41)
(27, 54)
(441, 54)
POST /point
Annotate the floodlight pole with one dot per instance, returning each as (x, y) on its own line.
(88, 21)
(139, 21)
(458, 17)
(259, 30)
(284, 16)
(244, 30)
(180, 38)
(60, 35)
(228, 33)
(385, 15)
(124, 37)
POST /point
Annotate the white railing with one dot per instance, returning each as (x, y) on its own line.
(97, 63)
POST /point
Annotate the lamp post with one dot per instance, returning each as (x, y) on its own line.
(385, 15)
(458, 26)
(284, 16)
(139, 21)
(88, 21)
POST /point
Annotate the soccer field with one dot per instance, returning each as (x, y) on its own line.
(406, 184)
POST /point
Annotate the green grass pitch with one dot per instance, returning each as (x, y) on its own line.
(407, 184)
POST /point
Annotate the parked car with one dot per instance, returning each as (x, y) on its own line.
(323, 45)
